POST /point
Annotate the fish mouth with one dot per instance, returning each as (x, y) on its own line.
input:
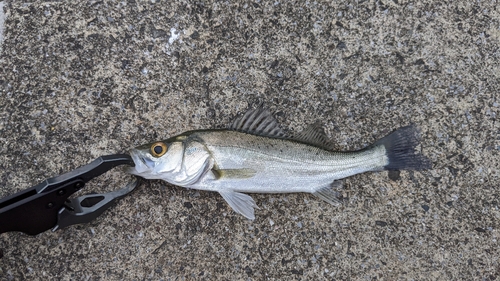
(142, 165)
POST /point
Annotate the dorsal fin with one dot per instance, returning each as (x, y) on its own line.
(258, 122)
(314, 134)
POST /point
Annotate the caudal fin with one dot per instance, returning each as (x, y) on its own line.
(400, 149)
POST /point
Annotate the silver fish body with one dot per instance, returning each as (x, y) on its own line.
(254, 156)
(249, 163)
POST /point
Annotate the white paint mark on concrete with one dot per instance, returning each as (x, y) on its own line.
(2, 21)
(174, 35)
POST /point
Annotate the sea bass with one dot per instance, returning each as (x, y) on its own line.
(254, 155)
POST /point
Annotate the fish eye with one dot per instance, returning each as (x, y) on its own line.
(158, 149)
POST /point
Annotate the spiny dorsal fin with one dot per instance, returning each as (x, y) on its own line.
(314, 134)
(258, 122)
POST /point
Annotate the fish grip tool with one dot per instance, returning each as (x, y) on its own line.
(46, 205)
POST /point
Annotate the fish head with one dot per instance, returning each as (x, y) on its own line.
(157, 160)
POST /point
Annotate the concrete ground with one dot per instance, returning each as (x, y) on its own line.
(81, 79)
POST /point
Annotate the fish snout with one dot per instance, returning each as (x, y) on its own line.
(141, 164)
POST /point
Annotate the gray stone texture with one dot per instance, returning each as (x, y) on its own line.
(81, 79)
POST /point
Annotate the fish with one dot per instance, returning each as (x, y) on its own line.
(254, 155)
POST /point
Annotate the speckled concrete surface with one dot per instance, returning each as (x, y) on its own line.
(80, 80)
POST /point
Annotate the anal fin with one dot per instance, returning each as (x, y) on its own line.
(328, 193)
(240, 202)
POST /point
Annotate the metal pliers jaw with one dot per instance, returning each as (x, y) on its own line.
(46, 205)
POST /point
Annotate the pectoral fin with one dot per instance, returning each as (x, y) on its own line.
(241, 203)
(233, 173)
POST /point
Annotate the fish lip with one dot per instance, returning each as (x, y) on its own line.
(141, 165)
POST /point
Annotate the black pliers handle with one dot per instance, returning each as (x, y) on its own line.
(46, 205)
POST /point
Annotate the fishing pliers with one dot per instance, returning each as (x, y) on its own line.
(46, 205)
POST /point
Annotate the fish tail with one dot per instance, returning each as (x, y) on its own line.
(400, 150)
